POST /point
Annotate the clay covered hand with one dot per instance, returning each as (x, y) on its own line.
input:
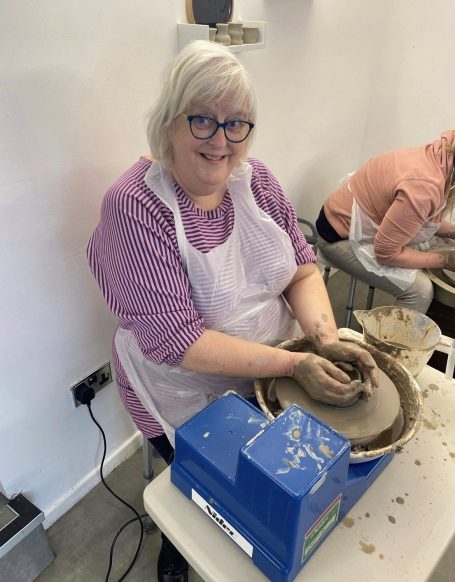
(339, 351)
(324, 382)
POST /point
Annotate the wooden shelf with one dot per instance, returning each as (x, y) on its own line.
(189, 32)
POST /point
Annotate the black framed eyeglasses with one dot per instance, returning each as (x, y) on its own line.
(203, 127)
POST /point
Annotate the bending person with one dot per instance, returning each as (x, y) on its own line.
(373, 225)
(199, 255)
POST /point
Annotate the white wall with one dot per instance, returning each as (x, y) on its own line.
(344, 80)
(339, 81)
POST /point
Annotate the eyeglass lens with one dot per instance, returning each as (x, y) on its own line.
(203, 127)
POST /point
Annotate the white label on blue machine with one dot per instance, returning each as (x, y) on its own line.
(222, 523)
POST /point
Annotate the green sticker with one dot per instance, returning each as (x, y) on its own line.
(317, 531)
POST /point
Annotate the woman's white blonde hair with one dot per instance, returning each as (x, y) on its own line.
(449, 193)
(204, 72)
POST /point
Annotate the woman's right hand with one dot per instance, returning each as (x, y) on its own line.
(324, 382)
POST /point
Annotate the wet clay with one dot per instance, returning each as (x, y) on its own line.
(367, 548)
(361, 423)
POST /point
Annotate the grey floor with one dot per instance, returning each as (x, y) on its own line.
(81, 539)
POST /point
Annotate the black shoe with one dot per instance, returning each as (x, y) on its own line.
(172, 566)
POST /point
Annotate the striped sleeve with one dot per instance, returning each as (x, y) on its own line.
(134, 256)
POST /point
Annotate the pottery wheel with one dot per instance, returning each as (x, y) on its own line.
(361, 422)
(450, 276)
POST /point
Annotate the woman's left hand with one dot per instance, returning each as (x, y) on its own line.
(338, 351)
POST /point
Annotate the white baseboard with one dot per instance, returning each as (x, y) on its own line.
(66, 501)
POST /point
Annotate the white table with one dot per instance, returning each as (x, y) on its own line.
(397, 531)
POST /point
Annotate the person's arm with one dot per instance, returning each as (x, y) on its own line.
(219, 353)
(446, 229)
(308, 298)
(415, 201)
(410, 258)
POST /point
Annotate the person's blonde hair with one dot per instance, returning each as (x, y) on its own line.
(449, 193)
(205, 72)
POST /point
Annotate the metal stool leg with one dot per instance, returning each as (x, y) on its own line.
(147, 460)
(350, 305)
(326, 274)
(370, 297)
(147, 448)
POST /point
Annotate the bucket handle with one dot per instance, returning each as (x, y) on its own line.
(447, 346)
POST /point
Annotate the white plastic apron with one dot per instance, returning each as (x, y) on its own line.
(236, 287)
(362, 233)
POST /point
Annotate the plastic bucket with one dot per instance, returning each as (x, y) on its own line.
(408, 336)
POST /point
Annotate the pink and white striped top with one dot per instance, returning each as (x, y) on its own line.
(135, 258)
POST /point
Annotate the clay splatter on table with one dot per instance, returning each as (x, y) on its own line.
(400, 500)
(348, 522)
(417, 462)
(366, 547)
(430, 424)
(391, 519)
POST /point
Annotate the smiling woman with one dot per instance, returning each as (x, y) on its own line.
(198, 254)
(202, 165)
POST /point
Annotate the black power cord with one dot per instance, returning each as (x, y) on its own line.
(84, 394)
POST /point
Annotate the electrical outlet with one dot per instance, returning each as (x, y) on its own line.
(96, 380)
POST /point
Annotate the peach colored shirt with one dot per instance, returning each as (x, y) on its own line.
(399, 190)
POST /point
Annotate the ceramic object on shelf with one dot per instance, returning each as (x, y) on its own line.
(250, 34)
(235, 32)
(222, 35)
(187, 33)
(212, 34)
